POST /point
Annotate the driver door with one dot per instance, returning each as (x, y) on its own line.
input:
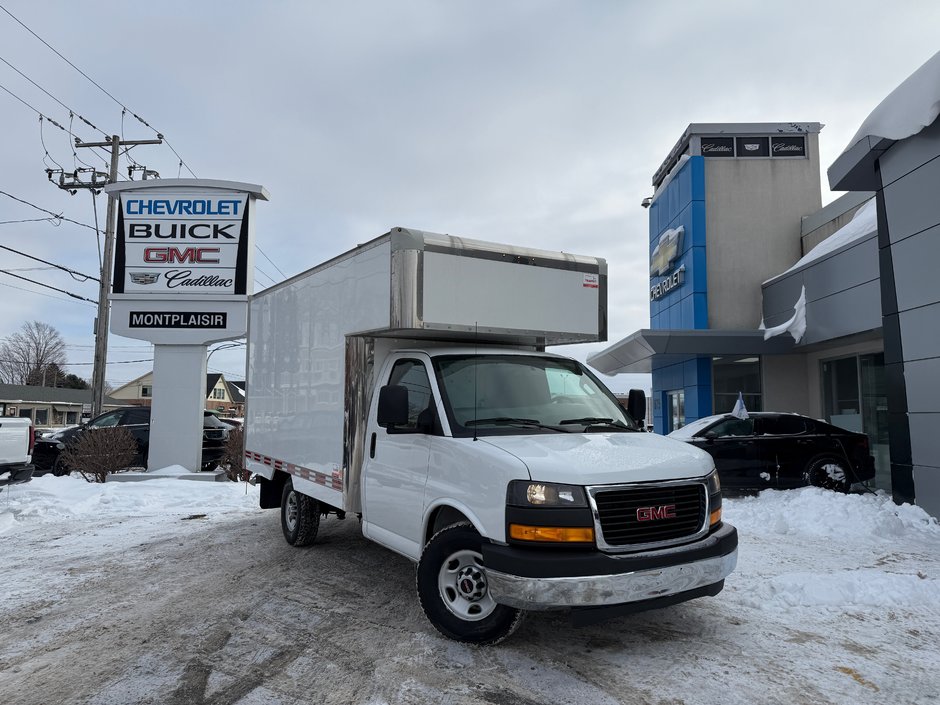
(395, 470)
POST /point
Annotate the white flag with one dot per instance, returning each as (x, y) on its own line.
(739, 409)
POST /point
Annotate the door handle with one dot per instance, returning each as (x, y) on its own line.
(372, 447)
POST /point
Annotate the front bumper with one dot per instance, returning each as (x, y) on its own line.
(614, 579)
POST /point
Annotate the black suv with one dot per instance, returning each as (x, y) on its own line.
(135, 419)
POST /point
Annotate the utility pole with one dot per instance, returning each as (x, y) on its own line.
(101, 322)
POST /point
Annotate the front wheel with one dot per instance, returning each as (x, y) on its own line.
(453, 590)
(828, 474)
(300, 516)
(59, 468)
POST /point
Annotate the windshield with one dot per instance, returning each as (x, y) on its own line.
(520, 394)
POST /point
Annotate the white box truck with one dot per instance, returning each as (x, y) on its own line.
(406, 382)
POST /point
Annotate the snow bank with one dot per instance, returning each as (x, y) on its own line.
(847, 588)
(816, 513)
(50, 498)
(856, 551)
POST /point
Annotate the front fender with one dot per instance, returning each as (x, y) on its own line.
(450, 504)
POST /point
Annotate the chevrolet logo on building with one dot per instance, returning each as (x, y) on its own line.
(665, 254)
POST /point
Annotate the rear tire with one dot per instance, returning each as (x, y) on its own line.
(453, 591)
(300, 516)
(828, 474)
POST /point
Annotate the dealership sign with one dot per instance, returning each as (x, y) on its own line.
(183, 259)
(663, 260)
(183, 243)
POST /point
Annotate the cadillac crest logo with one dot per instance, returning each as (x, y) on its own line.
(144, 277)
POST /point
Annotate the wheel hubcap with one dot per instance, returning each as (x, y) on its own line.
(833, 472)
(290, 517)
(463, 587)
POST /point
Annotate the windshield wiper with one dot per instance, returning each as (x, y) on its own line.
(589, 421)
(512, 421)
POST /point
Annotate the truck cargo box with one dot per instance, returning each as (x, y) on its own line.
(311, 339)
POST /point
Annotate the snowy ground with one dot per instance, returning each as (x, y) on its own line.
(175, 591)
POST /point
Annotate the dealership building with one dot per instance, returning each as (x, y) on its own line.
(830, 311)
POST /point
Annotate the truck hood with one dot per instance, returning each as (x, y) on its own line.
(605, 458)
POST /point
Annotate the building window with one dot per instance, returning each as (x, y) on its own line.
(218, 393)
(146, 391)
(675, 409)
(736, 375)
(42, 417)
(855, 397)
(71, 418)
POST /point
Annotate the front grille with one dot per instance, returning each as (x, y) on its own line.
(620, 511)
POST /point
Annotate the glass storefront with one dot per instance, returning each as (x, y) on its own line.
(855, 398)
(733, 375)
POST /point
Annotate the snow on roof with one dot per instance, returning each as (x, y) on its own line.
(908, 109)
(864, 222)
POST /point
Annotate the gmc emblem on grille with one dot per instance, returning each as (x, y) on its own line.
(666, 511)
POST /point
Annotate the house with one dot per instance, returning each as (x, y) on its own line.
(221, 396)
(49, 406)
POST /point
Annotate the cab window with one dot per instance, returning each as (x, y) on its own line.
(412, 375)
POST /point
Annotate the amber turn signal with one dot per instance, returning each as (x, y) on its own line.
(555, 534)
(715, 517)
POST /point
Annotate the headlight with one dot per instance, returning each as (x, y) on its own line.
(523, 493)
(713, 483)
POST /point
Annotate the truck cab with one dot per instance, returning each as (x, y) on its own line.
(516, 481)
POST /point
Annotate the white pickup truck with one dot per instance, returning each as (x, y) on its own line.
(406, 382)
(16, 448)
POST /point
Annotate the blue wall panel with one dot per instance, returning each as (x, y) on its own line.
(682, 203)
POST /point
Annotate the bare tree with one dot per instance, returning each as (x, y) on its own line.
(29, 352)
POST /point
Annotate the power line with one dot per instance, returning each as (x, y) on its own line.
(271, 261)
(261, 271)
(61, 291)
(53, 264)
(30, 220)
(37, 293)
(113, 362)
(35, 110)
(99, 87)
(57, 216)
(71, 112)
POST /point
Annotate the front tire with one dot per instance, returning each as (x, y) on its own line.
(828, 474)
(59, 468)
(452, 589)
(300, 516)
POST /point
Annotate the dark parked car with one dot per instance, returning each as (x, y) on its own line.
(135, 419)
(773, 450)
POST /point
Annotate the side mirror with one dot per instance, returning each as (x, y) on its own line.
(636, 406)
(393, 405)
(710, 437)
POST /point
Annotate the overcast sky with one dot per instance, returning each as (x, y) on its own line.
(535, 123)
